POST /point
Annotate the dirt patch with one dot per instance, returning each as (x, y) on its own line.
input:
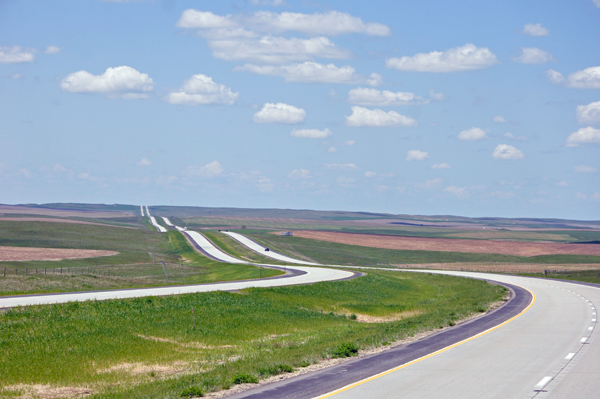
(452, 245)
(24, 254)
(141, 368)
(365, 318)
(196, 345)
(47, 391)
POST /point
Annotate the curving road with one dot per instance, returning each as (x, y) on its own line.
(550, 351)
(256, 247)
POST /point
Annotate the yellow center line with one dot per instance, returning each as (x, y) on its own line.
(355, 384)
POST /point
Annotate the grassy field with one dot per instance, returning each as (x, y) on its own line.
(158, 352)
(342, 254)
(137, 265)
(234, 248)
(587, 276)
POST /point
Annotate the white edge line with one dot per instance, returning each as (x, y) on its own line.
(544, 381)
(569, 356)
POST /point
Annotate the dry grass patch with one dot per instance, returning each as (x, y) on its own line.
(39, 391)
(365, 318)
(196, 345)
(24, 254)
(154, 370)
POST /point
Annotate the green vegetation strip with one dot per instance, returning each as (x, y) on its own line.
(186, 345)
(133, 267)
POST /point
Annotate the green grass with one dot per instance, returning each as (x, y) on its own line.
(133, 267)
(148, 347)
(234, 248)
(342, 254)
(587, 276)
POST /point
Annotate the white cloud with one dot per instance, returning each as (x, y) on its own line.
(52, 50)
(535, 30)
(465, 58)
(212, 169)
(300, 174)
(430, 184)
(505, 151)
(502, 194)
(416, 155)
(596, 3)
(533, 55)
(26, 173)
(307, 72)
(275, 49)
(437, 96)
(472, 134)
(342, 166)
(554, 76)
(513, 137)
(460, 192)
(144, 162)
(584, 169)
(16, 76)
(588, 78)
(204, 20)
(370, 174)
(562, 184)
(375, 79)
(585, 135)
(374, 97)
(201, 90)
(500, 119)
(377, 118)
(332, 149)
(274, 3)
(350, 142)
(328, 23)
(311, 133)
(589, 114)
(122, 81)
(279, 113)
(16, 54)
(440, 166)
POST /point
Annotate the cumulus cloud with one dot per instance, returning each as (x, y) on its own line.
(535, 30)
(375, 79)
(311, 133)
(300, 174)
(459, 192)
(201, 90)
(328, 23)
(588, 78)
(533, 55)
(596, 3)
(416, 155)
(332, 149)
(362, 117)
(440, 166)
(585, 135)
(122, 81)
(307, 72)
(465, 58)
(505, 151)
(275, 49)
(144, 162)
(584, 169)
(342, 166)
(589, 114)
(212, 169)
(52, 50)
(472, 134)
(274, 3)
(500, 119)
(279, 113)
(15, 54)
(374, 97)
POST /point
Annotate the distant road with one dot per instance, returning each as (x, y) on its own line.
(551, 350)
(256, 247)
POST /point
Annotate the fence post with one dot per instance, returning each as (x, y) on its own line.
(45, 269)
(26, 270)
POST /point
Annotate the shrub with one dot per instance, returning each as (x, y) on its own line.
(243, 378)
(346, 349)
(275, 370)
(192, 392)
(352, 316)
(304, 363)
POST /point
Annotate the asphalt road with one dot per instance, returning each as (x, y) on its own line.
(549, 351)
(256, 247)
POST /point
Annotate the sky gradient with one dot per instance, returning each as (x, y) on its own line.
(466, 108)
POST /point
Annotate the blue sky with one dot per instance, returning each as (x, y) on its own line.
(467, 108)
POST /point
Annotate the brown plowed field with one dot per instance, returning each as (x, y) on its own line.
(452, 245)
(23, 254)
